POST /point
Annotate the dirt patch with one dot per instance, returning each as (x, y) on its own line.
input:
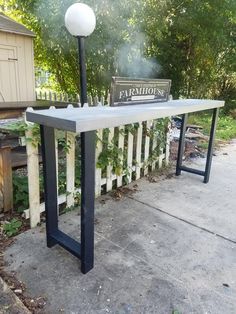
(121, 192)
(192, 150)
(34, 305)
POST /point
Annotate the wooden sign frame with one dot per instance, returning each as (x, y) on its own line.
(128, 91)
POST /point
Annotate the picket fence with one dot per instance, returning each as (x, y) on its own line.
(64, 97)
(138, 164)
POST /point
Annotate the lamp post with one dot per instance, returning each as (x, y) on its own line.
(80, 21)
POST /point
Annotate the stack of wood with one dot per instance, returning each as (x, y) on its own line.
(194, 132)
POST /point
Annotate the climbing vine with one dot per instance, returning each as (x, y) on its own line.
(116, 157)
(111, 155)
(21, 127)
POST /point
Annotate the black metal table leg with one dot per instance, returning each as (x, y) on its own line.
(210, 145)
(50, 182)
(179, 166)
(181, 144)
(87, 200)
(85, 249)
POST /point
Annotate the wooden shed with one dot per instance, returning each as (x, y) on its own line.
(17, 80)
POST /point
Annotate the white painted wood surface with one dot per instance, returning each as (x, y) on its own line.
(109, 167)
(138, 153)
(33, 180)
(167, 146)
(130, 156)
(146, 148)
(98, 173)
(121, 142)
(160, 159)
(61, 200)
(154, 145)
(94, 118)
(70, 169)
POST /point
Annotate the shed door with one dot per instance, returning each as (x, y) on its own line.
(8, 74)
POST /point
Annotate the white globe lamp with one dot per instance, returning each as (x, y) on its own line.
(80, 20)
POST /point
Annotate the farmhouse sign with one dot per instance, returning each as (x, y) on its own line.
(127, 91)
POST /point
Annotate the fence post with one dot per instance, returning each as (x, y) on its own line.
(6, 178)
(33, 180)
(121, 141)
(109, 167)
(95, 101)
(167, 157)
(160, 160)
(102, 101)
(139, 150)
(108, 99)
(98, 170)
(130, 156)
(154, 146)
(70, 169)
(146, 148)
(90, 100)
(66, 97)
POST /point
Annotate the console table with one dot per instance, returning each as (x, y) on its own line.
(86, 120)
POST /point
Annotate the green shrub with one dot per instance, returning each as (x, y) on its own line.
(20, 192)
(12, 227)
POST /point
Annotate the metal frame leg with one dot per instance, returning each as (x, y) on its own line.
(87, 200)
(85, 249)
(181, 144)
(50, 182)
(179, 167)
(210, 145)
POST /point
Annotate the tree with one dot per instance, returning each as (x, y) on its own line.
(196, 46)
(190, 42)
(57, 50)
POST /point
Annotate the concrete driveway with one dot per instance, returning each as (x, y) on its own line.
(169, 246)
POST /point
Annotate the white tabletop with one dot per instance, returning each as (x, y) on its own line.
(93, 118)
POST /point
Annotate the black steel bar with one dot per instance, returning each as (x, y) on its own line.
(181, 144)
(191, 170)
(210, 145)
(82, 69)
(87, 200)
(179, 166)
(50, 182)
(67, 243)
(87, 176)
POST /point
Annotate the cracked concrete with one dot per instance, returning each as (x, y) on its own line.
(170, 246)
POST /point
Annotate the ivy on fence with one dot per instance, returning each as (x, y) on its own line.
(123, 154)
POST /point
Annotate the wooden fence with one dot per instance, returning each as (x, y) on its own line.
(63, 97)
(137, 157)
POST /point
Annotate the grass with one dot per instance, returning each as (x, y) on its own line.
(226, 126)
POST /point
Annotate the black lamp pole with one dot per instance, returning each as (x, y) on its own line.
(82, 69)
